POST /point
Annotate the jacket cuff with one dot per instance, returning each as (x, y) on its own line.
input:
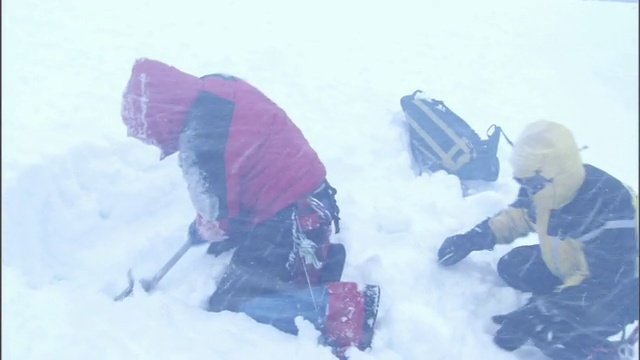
(485, 238)
(210, 231)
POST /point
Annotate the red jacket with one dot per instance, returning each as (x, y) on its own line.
(242, 157)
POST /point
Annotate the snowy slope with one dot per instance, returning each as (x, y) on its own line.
(82, 203)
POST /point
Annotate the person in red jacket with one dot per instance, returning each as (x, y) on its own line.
(258, 187)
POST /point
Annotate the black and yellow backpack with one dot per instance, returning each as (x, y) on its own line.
(441, 140)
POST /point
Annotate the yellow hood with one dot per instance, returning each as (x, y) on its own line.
(549, 148)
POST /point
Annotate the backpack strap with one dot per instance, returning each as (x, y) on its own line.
(446, 158)
(493, 128)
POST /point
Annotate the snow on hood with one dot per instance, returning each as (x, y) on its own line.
(550, 149)
(155, 103)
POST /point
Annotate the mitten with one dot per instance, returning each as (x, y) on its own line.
(458, 247)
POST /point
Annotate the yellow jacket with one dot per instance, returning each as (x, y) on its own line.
(586, 219)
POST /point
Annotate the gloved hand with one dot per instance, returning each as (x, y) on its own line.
(219, 247)
(458, 247)
(194, 237)
(518, 326)
(515, 330)
(215, 248)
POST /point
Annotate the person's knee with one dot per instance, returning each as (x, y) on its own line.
(523, 268)
(504, 266)
(511, 264)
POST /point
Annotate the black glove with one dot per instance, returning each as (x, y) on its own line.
(518, 326)
(515, 330)
(219, 247)
(457, 247)
(555, 324)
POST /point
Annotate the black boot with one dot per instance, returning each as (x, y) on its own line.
(371, 302)
(511, 335)
(516, 327)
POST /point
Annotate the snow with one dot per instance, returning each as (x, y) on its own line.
(82, 203)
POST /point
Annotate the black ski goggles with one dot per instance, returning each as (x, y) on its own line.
(533, 184)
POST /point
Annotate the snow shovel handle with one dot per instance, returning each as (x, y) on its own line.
(150, 284)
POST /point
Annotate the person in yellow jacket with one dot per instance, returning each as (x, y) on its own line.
(583, 274)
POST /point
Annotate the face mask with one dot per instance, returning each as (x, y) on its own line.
(533, 184)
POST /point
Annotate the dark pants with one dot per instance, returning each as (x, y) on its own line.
(580, 316)
(267, 260)
(259, 264)
(524, 269)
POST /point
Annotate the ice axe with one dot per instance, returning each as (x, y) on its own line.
(150, 284)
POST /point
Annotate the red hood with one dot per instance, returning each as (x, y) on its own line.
(155, 103)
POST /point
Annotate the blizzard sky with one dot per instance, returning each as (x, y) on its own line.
(82, 203)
